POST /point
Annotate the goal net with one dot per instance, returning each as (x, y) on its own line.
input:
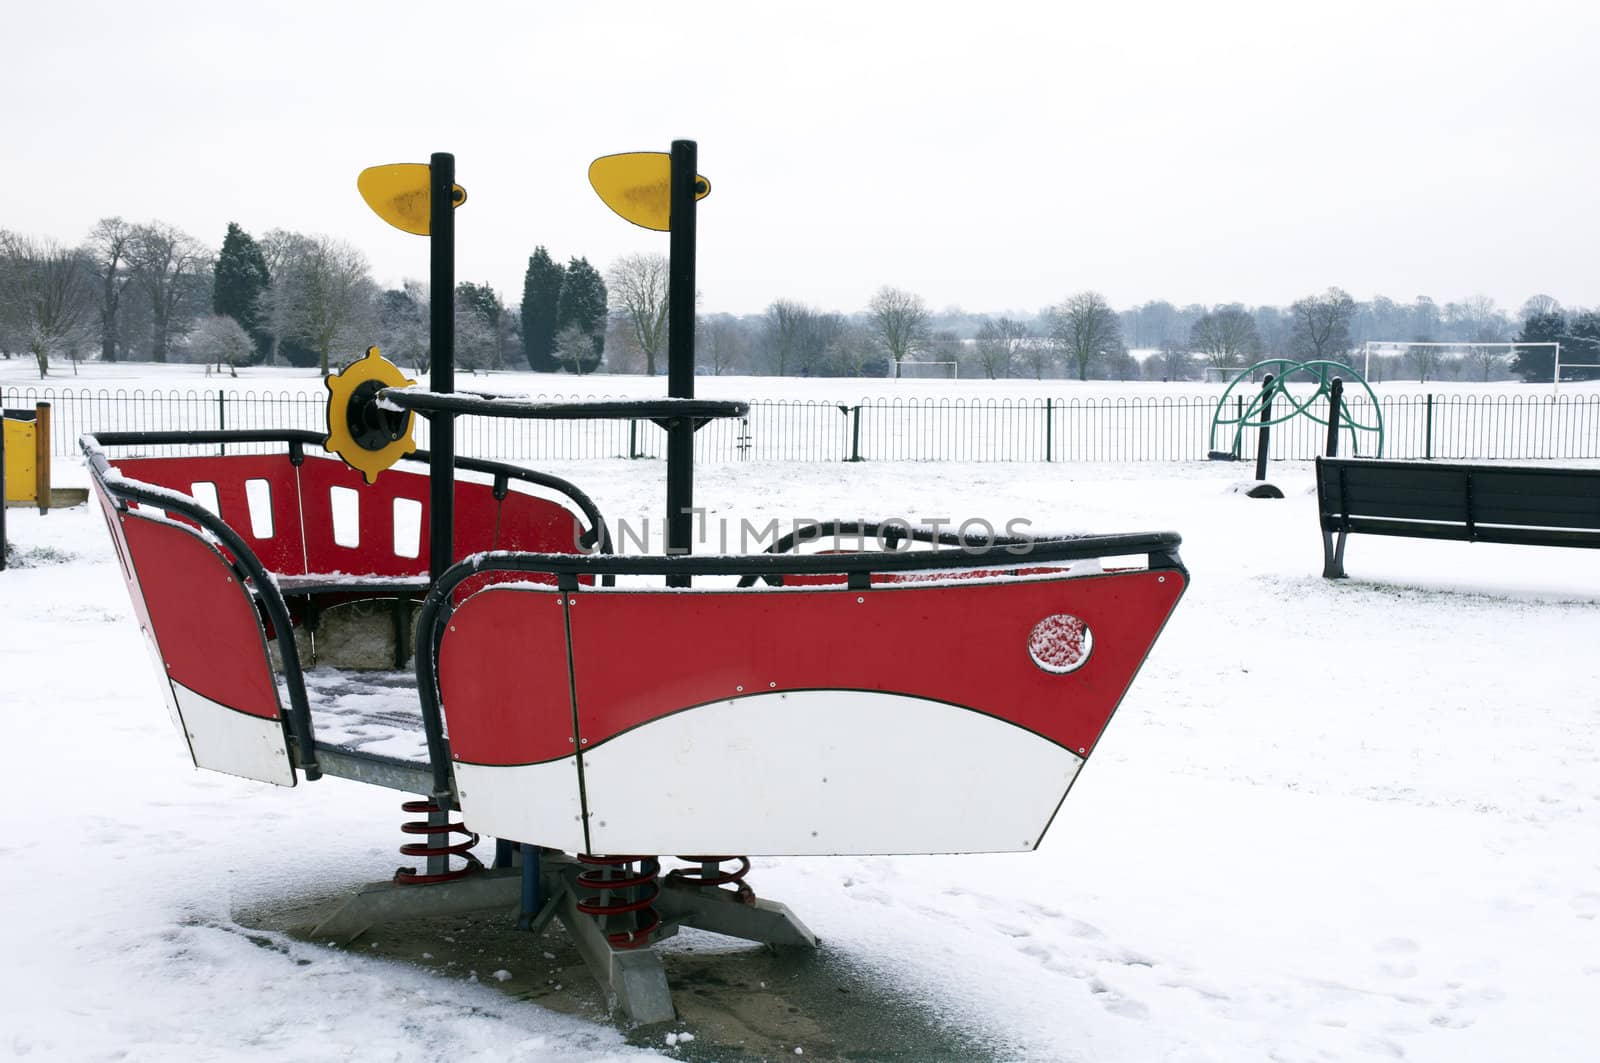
(929, 371)
(1433, 359)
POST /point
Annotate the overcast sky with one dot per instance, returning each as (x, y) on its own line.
(991, 156)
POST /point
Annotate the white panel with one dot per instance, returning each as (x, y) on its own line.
(824, 772)
(233, 742)
(534, 803)
(258, 496)
(345, 502)
(407, 527)
(205, 493)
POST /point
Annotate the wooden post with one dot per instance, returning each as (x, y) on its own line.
(41, 454)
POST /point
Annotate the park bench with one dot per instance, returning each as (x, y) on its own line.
(1469, 503)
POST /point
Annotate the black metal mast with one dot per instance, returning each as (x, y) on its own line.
(680, 353)
(442, 360)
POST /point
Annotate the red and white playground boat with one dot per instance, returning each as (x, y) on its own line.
(461, 630)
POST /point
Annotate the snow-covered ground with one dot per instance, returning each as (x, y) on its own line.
(1332, 821)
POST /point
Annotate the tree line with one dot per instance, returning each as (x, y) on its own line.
(151, 292)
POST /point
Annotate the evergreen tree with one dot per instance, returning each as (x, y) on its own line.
(239, 279)
(583, 306)
(1536, 365)
(1580, 345)
(541, 297)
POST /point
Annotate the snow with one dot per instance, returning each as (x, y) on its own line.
(1332, 821)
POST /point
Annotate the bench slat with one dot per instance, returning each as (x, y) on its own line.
(1482, 533)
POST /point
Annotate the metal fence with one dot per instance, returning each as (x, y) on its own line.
(1136, 428)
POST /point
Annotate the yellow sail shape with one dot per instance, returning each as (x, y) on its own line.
(399, 194)
(638, 186)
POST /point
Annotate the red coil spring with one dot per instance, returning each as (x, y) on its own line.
(406, 876)
(711, 874)
(623, 893)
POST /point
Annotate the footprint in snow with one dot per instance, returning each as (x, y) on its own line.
(1116, 1003)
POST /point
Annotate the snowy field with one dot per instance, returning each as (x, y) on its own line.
(1332, 821)
(20, 372)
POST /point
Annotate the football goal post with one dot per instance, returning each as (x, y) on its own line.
(1426, 352)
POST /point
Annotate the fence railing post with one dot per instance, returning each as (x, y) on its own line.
(854, 413)
(1049, 428)
(1427, 430)
(633, 439)
(222, 418)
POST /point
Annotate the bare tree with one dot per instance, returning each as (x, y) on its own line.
(851, 347)
(321, 293)
(279, 247)
(170, 265)
(219, 339)
(1539, 304)
(722, 343)
(1085, 328)
(1424, 359)
(575, 349)
(900, 320)
(1322, 325)
(401, 325)
(1487, 324)
(1174, 362)
(44, 296)
(1227, 337)
(638, 288)
(1039, 355)
(784, 331)
(108, 248)
(999, 343)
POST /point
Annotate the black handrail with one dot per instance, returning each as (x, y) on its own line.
(890, 534)
(481, 405)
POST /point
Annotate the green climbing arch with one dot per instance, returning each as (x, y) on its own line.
(1287, 374)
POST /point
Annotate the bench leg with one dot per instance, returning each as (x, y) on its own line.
(1332, 556)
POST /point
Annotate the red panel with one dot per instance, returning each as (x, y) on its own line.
(283, 552)
(298, 546)
(203, 622)
(967, 645)
(503, 678)
(373, 554)
(537, 525)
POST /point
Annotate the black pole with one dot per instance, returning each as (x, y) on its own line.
(1264, 440)
(442, 360)
(680, 353)
(1335, 400)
